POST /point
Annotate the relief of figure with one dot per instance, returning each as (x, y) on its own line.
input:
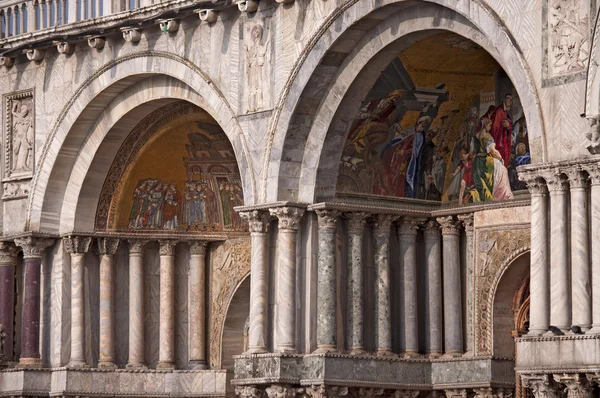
(171, 208)
(569, 35)
(257, 59)
(22, 138)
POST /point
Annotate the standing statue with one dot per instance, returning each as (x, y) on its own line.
(22, 138)
(257, 59)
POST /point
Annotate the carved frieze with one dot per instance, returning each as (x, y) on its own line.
(19, 137)
(16, 189)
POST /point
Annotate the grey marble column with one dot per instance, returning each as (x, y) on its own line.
(33, 250)
(434, 309)
(539, 284)
(77, 246)
(355, 292)
(560, 297)
(594, 173)
(166, 349)
(453, 333)
(258, 221)
(285, 324)
(8, 261)
(581, 288)
(106, 250)
(197, 306)
(136, 305)
(383, 321)
(407, 234)
(467, 221)
(326, 282)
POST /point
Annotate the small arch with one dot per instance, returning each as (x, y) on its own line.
(232, 341)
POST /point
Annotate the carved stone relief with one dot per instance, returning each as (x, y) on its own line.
(495, 250)
(257, 50)
(16, 189)
(19, 135)
(229, 265)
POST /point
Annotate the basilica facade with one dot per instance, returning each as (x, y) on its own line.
(293, 198)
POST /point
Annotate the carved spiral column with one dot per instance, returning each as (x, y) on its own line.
(453, 334)
(594, 173)
(434, 309)
(407, 233)
(197, 305)
(326, 282)
(540, 267)
(581, 289)
(467, 221)
(136, 304)
(355, 301)
(107, 249)
(8, 261)
(258, 222)
(560, 308)
(383, 326)
(33, 250)
(285, 324)
(77, 246)
(166, 351)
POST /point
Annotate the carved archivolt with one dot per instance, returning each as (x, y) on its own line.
(229, 266)
(495, 250)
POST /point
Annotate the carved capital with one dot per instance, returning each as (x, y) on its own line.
(593, 171)
(449, 226)
(33, 247)
(491, 393)
(557, 182)
(107, 246)
(543, 386)
(467, 221)
(136, 245)
(383, 223)
(408, 226)
(167, 247)
(289, 217)
(326, 391)
(249, 392)
(576, 385)
(431, 229)
(406, 393)
(364, 392)
(258, 220)
(198, 248)
(77, 244)
(8, 253)
(327, 218)
(456, 393)
(356, 221)
(535, 183)
(578, 179)
(282, 391)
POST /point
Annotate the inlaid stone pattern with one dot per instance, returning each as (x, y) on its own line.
(495, 249)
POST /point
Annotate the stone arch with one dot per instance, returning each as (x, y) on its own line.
(81, 112)
(592, 90)
(327, 75)
(232, 337)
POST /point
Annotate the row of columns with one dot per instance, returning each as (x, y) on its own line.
(445, 316)
(564, 269)
(77, 247)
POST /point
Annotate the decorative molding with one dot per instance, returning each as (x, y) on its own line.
(289, 217)
(77, 244)
(19, 139)
(33, 247)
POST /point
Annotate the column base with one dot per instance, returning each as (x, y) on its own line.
(197, 365)
(165, 365)
(452, 354)
(357, 351)
(384, 353)
(136, 365)
(30, 363)
(286, 350)
(324, 349)
(107, 365)
(77, 365)
(468, 354)
(257, 350)
(434, 354)
(411, 354)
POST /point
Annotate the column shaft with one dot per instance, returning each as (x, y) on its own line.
(136, 304)
(8, 261)
(434, 310)
(407, 232)
(355, 293)
(106, 249)
(197, 305)
(595, 221)
(166, 352)
(467, 220)
(383, 326)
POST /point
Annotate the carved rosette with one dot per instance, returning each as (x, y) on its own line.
(8, 254)
(576, 385)
(289, 217)
(449, 225)
(167, 247)
(407, 226)
(578, 179)
(258, 220)
(107, 246)
(327, 218)
(326, 391)
(198, 248)
(77, 244)
(249, 392)
(136, 245)
(282, 391)
(356, 221)
(543, 386)
(383, 223)
(33, 247)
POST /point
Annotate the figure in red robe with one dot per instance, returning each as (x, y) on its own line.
(502, 129)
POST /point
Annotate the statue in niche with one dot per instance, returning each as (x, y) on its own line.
(22, 137)
(257, 46)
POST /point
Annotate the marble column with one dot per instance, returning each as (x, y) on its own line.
(539, 272)
(8, 261)
(560, 308)
(258, 221)
(467, 221)
(577, 385)
(355, 292)
(197, 306)
(453, 333)
(407, 234)
(581, 289)
(285, 324)
(326, 282)
(383, 321)
(434, 311)
(33, 250)
(136, 304)
(77, 246)
(106, 250)
(594, 173)
(166, 350)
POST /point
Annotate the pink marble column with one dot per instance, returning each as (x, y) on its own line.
(166, 352)
(197, 306)
(33, 250)
(285, 324)
(106, 250)
(77, 246)
(136, 305)
(8, 261)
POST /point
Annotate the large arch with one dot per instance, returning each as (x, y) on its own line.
(592, 90)
(81, 114)
(357, 35)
